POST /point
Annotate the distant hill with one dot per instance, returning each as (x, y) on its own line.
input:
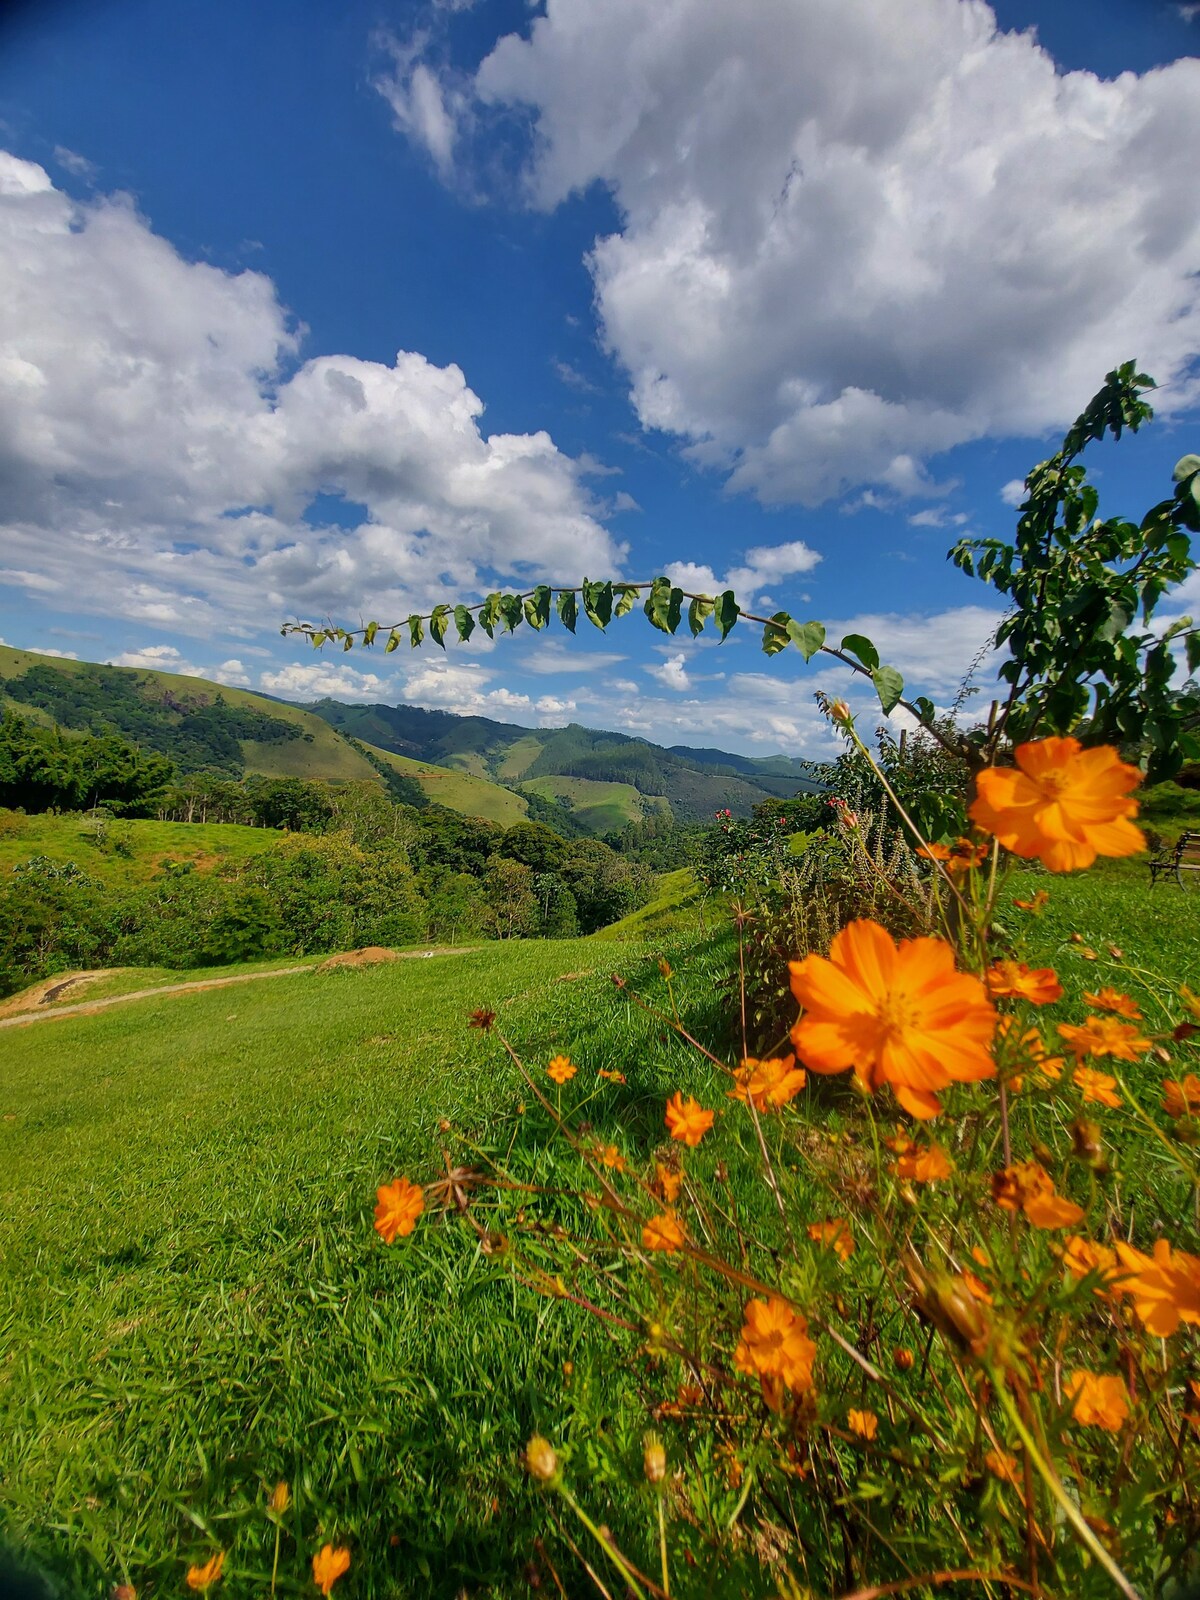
(592, 781)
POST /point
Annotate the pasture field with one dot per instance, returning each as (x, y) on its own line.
(194, 1304)
(474, 796)
(71, 837)
(601, 807)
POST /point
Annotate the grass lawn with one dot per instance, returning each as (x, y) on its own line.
(72, 838)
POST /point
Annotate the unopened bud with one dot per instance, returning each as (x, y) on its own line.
(664, 966)
(654, 1459)
(1086, 1143)
(903, 1357)
(839, 711)
(540, 1459)
(281, 1498)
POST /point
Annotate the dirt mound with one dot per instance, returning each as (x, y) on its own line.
(51, 990)
(370, 956)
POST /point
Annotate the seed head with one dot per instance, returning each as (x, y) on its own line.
(654, 1458)
(541, 1460)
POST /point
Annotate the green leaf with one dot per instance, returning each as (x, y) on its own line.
(728, 611)
(598, 603)
(674, 609)
(489, 614)
(511, 612)
(537, 607)
(1192, 646)
(438, 620)
(392, 644)
(658, 603)
(626, 594)
(889, 686)
(1185, 466)
(700, 609)
(464, 622)
(347, 639)
(808, 637)
(862, 647)
(1119, 618)
(416, 630)
(568, 610)
(925, 708)
(775, 634)
(369, 632)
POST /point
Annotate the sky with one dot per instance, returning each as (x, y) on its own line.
(334, 312)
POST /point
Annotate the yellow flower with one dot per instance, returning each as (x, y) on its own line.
(897, 1014)
(1028, 1187)
(328, 1565)
(1113, 1000)
(400, 1204)
(768, 1084)
(204, 1577)
(1104, 1036)
(541, 1459)
(1013, 980)
(1097, 1086)
(1099, 1401)
(687, 1119)
(1164, 1287)
(835, 1234)
(1061, 803)
(663, 1233)
(561, 1070)
(281, 1499)
(1182, 1099)
(864, 1423)
(775, 1348)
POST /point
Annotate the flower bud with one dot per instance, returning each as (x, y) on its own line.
(839, 711)
(1086, 1143)
(281, 1498)
(654, 1459)
(540, 1459)
(904, 1358)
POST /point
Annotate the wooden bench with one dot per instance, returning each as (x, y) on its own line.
(1173, 858)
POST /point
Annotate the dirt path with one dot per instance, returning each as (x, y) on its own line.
(87, 1007)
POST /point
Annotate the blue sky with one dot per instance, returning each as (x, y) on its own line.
(788, 297)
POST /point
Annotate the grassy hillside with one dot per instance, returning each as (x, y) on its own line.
(460, 791)
(149, 844)
(601, 807)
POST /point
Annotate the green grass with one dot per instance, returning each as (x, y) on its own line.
(72, 838)
(601, 807)
(460, 791)
(675, 907)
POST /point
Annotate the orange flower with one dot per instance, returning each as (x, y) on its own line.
(835, 1234)
(687, 1119)
(864, 1423)
(1100, 1401)
(613, 1077)
(1182, 1099)
(328, 1565)
(775, 1348)
(1002, 1465)
(1165, 1287)
(768, 1084)
(667, 1182)
(1113, 1000)
(934, 852)
(204, 1577)
(609, 1156)
(1032, 1044)
(1104, 1036)
(1036, 905)
(1028, 1187)
(1082, 1256)
(1013, 980)
(400, 1204)
(663, 1233)
(1061, 803)
(561, 1070)
(897, 1014)
(280, 1500)
(960, 857)
(924, 1163)
(1097, 1086)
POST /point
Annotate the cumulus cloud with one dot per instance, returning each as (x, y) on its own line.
(298, 681)
(160, 444)
(672, 673)
(856, 233)
(233, 673)
(155, 658)
(761, 565)
(1013, 492)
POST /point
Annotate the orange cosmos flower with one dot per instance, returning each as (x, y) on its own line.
(667, 1182)
(775, 1348)
(1036, 905)
(1182, 1099)
(1002, 1465)
(1113, 1000)
(400, 1204)
(835, 1234)
(1082, 1256)
(897, 1014)
(204, 1577)
(1097, 1086)
(768, 1084)
(960, 857)
(864, 1423)
(613, 1077)
(280, 1500)
(561, 1070)
(609, 1156)
(1061, 803)
(1028, 1187)
(1165, 1287)
(924, 1163)
(328, 1565)
(1032, 1045)
(1100, 1401)
(1013, 980)
(663, 1233)
(687, 1119)
(1104, 1036)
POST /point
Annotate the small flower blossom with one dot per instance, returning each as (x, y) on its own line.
(400, 1204)
(897, 1014)
(1097, 1086)
(280, 1500)
(768, 1084)
(1182, 1099)
(654, 1459)
(924, 1164)
(612, 1076)
(1036, 905)
(864, 1423)
(775, 1348)
(663, 1233)
(609, 1156)
(1100, 1401)
(1114, 1000)
(1082, 1256)
(836, 1234)
(1013, 980)
(1164, 1287)
(667, 1182)
(328, 1565)
(541, 1461)
(1002, 1465)
(1104, 1036)
(687, 1120)
(1030, 1044)
(1061, 803)
(1028, 1187)
(561, 1069)
(203, 1577)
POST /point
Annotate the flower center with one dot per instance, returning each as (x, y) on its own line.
(896, 1013)
(1053, 784)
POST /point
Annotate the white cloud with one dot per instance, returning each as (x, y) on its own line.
(760, 565)
(71, 161)
(1013, 493)
(159, 445)
(933, 652)
(548, 656)
(299, 682)
(425, 105)
(855, 233)
(938, 517)
(672, 673)
(233, 673)
(157, 658)
(48, 650)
